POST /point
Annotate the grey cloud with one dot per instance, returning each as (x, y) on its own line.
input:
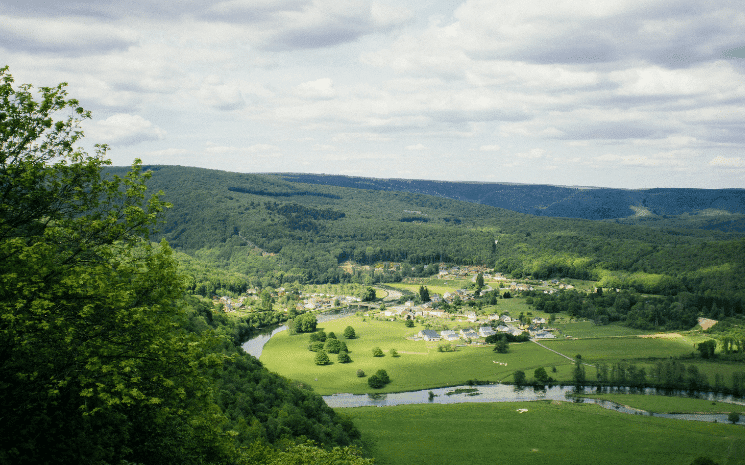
(79, 44)
(611, 131)
(737, 52)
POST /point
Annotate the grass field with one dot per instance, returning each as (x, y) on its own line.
(665, 404)
(551, 433)
(421, 366)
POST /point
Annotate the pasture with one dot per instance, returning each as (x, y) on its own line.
(550, 433)
(421, 366)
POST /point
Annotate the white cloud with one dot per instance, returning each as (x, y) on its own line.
(319, 89)
(416, 147)
(123, 129)
(723, 162)
(217, 95)
(489, 148)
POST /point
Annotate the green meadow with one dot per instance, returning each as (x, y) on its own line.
(550, 433)
(421, 366)
(669, 404)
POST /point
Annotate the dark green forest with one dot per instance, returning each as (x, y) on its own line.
(255, 226)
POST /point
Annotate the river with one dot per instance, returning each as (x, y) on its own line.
(493, 392)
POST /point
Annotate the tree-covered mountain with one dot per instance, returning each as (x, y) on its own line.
(275, 231)
(713, 208)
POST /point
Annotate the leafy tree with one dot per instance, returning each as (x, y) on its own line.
(409, 323)
(343, 357)
(331, 335)
(519, 378)
(733, 417)
(393, 353)
(502, 346)
(322, 358)
(707, 348)
(383, 375)
(369, 295)
(541, 376)
(349, 333)
(377, 352)
(91, 370)
(424, 294)
(332, 346)
(305, 323)
(316, 346)
(578, 375)
(318, 336)
(360, 373)
(375, 382)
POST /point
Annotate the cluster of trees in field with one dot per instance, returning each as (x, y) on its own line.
(105, 357)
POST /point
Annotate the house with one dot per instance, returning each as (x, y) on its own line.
(449, 335)
(506, 318)
(486, 331)
(539, 321)
(429, 335)
(468, 334)
(544, 335)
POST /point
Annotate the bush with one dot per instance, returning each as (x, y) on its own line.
(332, 346)
(393, 353)
(331, 335)
(360, 374)
(383, 375)
(318, 336)
(315, 346)
(343, 357)
(409, 323)
(322, 358)
(378, 352)
(349, 332)
(375, 382)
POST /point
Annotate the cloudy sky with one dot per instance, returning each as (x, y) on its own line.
(622, 93)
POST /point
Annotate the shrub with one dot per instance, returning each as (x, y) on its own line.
(409, 323)
(331, 335)
(318, 336)
(315, 346)
(322, 358)
(343, 357)
(393, 353)
(378, 352)
(360, 374)
(375, 382)
(349, 332)
(383, 375)
(332, 346)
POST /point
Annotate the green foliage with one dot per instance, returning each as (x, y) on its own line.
(92, 370)
(707, 348)
(541, 376)
(322, 358)
(501, 346)
(305, 323)
(519, 378)
(316, 346)
(333, 346)
(331, 335)
(369, 295)
(344, 357)
(349, 333)
(393, 353)
(318, 336)
(424, 294)
(409, 323)
(733, 417)
(377, 352)
(360, 373)
(303, 454)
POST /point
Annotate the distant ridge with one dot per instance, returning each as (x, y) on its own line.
(592, 203)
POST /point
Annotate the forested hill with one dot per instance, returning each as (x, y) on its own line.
(718, 205)
(275, 231)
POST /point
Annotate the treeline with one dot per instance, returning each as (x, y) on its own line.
(245, 190)
(636, 310)
(669, 375)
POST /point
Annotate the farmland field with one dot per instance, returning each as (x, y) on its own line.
(551, 433)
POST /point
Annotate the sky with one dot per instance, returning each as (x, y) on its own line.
(623, 93)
